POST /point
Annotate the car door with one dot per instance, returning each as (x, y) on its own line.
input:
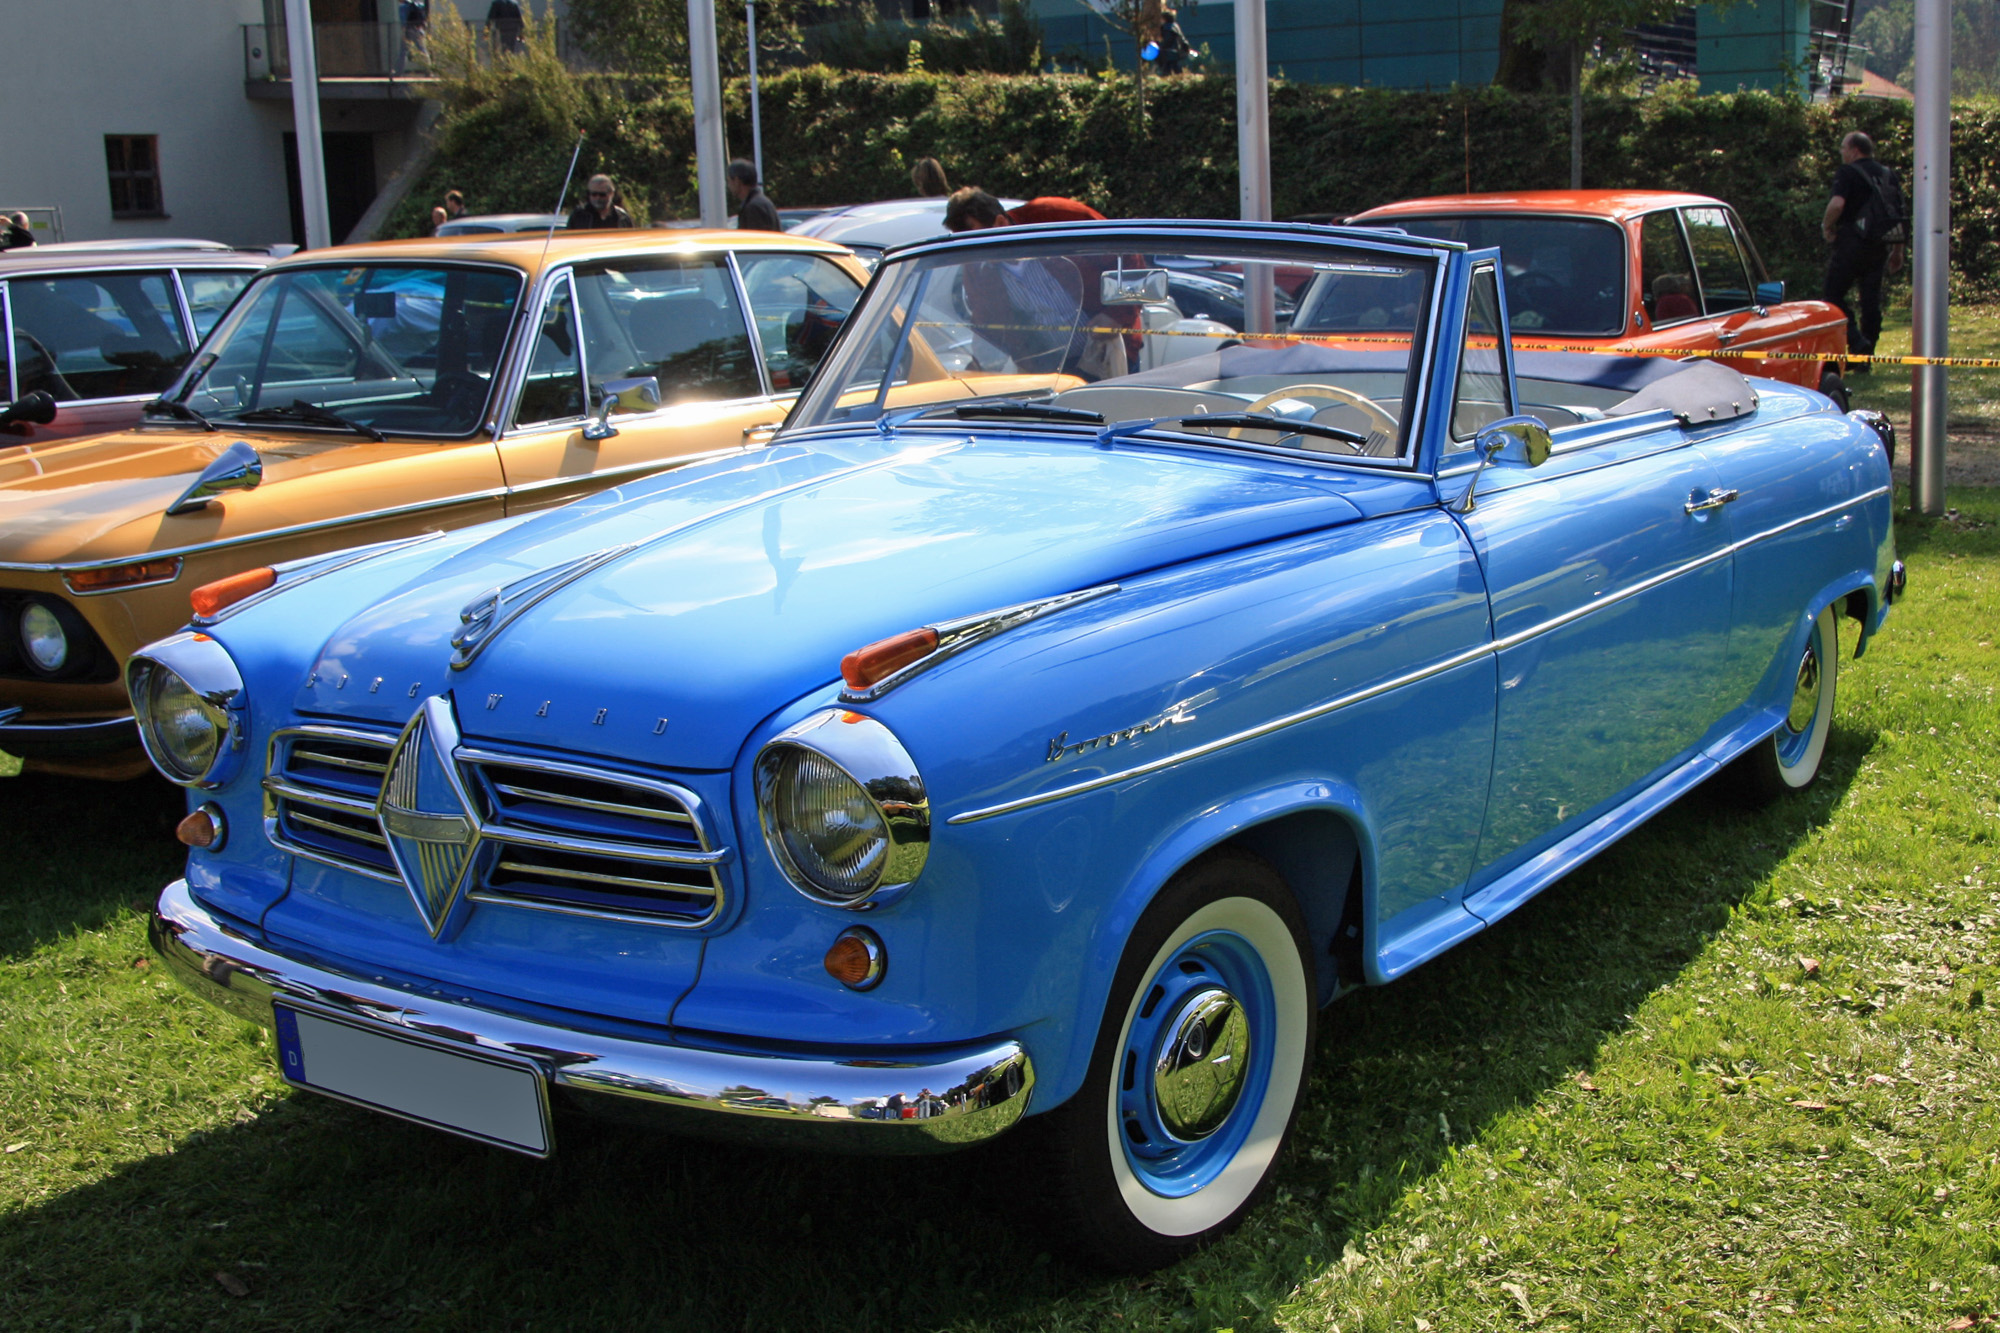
(664, 338)
(1728, 282)
(1610, 600)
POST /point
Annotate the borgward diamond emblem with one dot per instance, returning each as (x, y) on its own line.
(426, 816)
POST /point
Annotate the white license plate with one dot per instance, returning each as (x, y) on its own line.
(493, 1100)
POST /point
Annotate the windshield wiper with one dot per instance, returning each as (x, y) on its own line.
(178, 411)
(1267, 421)
(1001, 409)
(301, 410)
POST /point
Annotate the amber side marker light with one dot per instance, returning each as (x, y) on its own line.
(213, 598)
(204, 828)
(857, 959)
(885, 657)
(124, 576)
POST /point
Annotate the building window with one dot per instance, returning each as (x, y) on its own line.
(132, 161)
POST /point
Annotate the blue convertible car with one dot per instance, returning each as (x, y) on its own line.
(1074, 697)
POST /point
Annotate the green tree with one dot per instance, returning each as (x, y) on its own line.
(1888, 30)
(651, 36)
(1542, 42)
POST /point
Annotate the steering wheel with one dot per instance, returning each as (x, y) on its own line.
(1325, 396)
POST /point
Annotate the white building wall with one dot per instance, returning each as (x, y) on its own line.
(77, 70)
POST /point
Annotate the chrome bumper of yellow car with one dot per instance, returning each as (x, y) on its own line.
(867, 1103)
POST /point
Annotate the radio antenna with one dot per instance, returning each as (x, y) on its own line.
(568, 176)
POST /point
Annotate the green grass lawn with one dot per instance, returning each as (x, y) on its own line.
(1743, 1071)
(1973, 396)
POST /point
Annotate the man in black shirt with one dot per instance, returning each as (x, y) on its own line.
(754, 212)
(15, 233)
(1867, 199)
(598, 211)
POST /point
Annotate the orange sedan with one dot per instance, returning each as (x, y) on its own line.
(374, 392)
(1649, 270)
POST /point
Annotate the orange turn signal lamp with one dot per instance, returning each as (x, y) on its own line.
(124, 576)
(885, 657)
(857, 959)
(204, 828)
(213, 598)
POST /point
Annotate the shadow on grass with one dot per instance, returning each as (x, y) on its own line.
(339, 1219)
(74, 853)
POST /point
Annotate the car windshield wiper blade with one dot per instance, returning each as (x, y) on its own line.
(162, 407)
(995, 410)
(1267, 421)
(306, 412)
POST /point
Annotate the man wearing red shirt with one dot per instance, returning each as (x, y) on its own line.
(972, 209)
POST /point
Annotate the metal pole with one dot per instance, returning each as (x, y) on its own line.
(756, 120)
(1576, 115)
(1253, 153)
(305, 122)
(709, 154)
(1930, 327)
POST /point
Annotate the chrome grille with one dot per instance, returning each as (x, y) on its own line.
(319, 796)
(580, 839)
(555, 836)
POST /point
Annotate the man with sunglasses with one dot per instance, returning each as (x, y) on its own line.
(599, 210)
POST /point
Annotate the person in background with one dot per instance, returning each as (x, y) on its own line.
(415, 16)
(1864, 225)
(16, 234)
(754, 212)
(503, 26)
(438, 218)
(600, 209)
(972, 209)
(1174, 45)
(454, 205)
(928, 178)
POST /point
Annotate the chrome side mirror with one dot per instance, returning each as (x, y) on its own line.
(237, 468)
(1524, 441)
(641, 393)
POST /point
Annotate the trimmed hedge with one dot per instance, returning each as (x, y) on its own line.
(833, 137)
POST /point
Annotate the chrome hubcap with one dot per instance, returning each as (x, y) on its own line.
(1200, 1071)
(1805, 695)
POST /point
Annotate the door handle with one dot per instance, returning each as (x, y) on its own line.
(1725, 336)
(1711, 499)
(760, 433)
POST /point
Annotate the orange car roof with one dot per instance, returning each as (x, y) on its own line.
(1618, 204)
(525, 248)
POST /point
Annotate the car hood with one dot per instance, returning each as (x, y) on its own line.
(746, 581)
(105, 497)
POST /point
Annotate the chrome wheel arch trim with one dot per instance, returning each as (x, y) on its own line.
(1425, 672)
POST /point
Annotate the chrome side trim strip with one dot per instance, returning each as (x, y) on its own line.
(1439, 667)
(294, 572)
(955, 636)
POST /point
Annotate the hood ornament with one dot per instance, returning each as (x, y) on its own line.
(427, 815)
(482, 619)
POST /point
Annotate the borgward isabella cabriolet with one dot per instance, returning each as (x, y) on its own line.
(965, 762)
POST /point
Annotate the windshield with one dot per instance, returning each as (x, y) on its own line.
(400, 348)
(1322, 340)
(1564, 275)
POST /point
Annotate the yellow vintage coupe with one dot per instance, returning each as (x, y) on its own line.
(378, 392)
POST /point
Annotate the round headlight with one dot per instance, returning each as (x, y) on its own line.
(42, 638)
(187, 697)
(185, 731)
(832, 833)
(843, 809)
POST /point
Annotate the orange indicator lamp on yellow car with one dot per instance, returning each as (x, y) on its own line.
(123, 576)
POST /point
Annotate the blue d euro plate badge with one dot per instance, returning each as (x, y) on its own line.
(492, 1099)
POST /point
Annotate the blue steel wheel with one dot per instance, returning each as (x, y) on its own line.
(1789, 759)
(1200, 1065)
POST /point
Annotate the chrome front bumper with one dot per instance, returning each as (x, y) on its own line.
(69, 739)
(861, 1103)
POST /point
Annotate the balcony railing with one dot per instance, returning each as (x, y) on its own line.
(367, 50)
